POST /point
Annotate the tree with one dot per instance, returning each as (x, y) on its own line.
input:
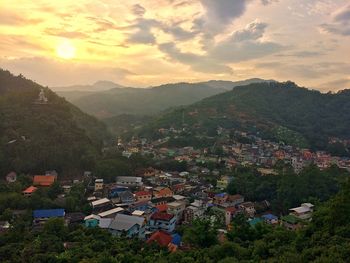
(200, 234)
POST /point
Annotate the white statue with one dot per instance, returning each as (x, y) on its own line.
(42, 98)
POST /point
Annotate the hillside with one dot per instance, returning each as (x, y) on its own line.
(38, 137)
(282, 111)
(146, 101)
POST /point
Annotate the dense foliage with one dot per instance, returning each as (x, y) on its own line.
(278, 111)
(325, 239)
(148, 101)
(288, 189)
(38, 137)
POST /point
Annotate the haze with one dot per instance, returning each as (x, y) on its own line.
(145, 43)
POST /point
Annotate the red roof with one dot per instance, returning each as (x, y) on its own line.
(162, 208)
(162, 216)
(232, 210)
(162, 238)
(44, 180)
(30, 190)
(142, 193)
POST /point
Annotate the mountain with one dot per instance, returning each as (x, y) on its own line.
(35, 137)
(96, 87)
(281, 111)
(147, 101)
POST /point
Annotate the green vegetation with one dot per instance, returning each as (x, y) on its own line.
(325, 239)
(148, 101)
(278, 111)
(39, 137)
(288, 189)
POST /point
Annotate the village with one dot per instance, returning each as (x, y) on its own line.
(153, 203)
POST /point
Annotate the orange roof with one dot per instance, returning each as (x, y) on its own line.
(161, 237)
(162, 208)
(30, 190)
(142, 193)
(165, 191)
(44, 180)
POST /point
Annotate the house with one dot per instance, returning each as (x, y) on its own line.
(143, 196)
(92, 220)
(178, 188)
(129, 181)
(270, 219)
(101, 205)
(220, 198)
(114, 190)
(235, 199)
(130, 226)
(4, 226)
(11, 177)
(162, 208)
(195, 210)
(162, 192)
(42, 215)
(44, 180)
(111, 213)
(126, 197)
(162, 200)
(291, 222)
(176, 208)
(303, 212)
(74, 218)
(248, 208)
(29, 191)
(98, 185)
(230, 212)
(162, 221)
(164, 239)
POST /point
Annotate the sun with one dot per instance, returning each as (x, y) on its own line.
(65, 49)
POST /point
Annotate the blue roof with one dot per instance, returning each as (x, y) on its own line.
(176, 239)
(48, 213)
(269, 217)
(221, 194)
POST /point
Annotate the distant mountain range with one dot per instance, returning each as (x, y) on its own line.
(147, 101)
(279, 111)
(37, 136)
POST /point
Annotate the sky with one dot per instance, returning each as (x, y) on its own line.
(144, 43)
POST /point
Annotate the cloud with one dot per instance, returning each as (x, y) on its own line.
(245, 44)
(138, 10)
(336, 85)
(253, 31)
(66, 34)
(340, 24)
(13, 19)
(268, 2)
(143, 31)
(219, 14)
(199, 63)
(302, 54)
(54, 72)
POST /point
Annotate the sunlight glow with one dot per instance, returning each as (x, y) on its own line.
(65, 49)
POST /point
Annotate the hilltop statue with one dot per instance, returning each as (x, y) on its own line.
(42, 98)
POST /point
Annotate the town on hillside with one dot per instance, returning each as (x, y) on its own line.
(194, 184)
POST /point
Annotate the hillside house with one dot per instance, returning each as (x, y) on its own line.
(44, 180)
(162, 221)
(303, 212)
(42, 215)
(129, 181)
(130, 226)
(142, 196)
(29, 191)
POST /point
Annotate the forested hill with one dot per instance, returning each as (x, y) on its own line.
(38, 137)
(147, 101)
(283, 111)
